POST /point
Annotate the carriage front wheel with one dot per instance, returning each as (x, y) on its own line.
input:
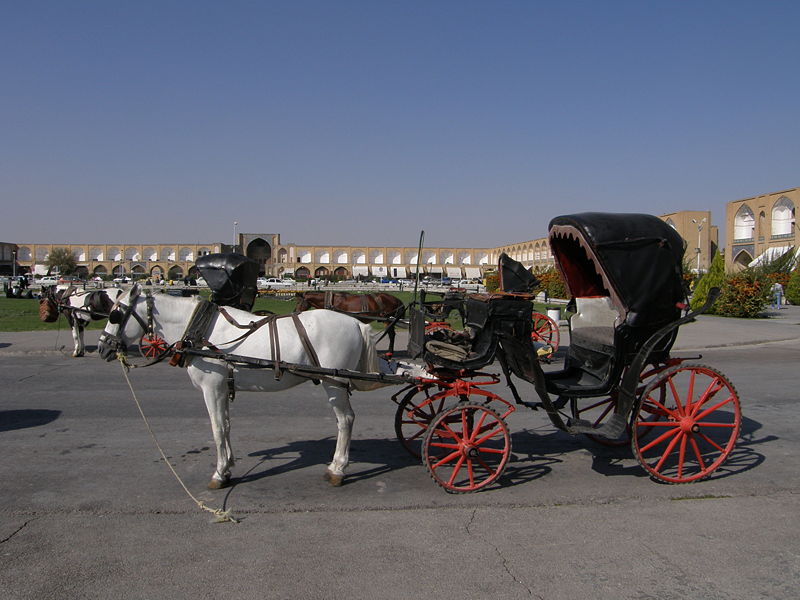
(466, 448)
(686, 423)
(414, 414)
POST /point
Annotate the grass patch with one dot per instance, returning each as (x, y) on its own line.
(18, 314)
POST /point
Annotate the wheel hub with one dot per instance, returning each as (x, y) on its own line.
(688, 425)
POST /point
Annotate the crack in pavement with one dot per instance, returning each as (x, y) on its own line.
(20, 528)
(503, 559)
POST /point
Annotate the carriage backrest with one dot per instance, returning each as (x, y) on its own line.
(490, 318)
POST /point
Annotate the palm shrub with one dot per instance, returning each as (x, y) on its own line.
(714, 278)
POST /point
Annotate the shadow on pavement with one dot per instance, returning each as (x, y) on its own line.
(23, 419)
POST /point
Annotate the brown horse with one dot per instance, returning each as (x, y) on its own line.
(364, 307)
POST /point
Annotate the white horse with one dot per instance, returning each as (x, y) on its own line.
(338, 340)
(81, 308)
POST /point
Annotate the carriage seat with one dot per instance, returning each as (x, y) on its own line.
(591, 357)
(488, 317)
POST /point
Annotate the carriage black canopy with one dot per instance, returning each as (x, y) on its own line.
(231, 277)
(636, 259)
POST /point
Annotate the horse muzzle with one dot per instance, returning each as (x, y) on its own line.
(109, 345)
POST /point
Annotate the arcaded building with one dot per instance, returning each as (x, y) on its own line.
(761, 227)
(276, 258)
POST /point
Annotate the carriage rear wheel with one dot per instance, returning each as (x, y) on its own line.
(545, 331)
(466, 448)
(688, 432)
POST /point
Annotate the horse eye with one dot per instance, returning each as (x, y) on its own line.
(115, 318)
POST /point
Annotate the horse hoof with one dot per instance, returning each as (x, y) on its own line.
(333, 479)
(218, 484)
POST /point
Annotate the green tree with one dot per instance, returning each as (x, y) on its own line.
(714, 278)
(551, 283)
(744, 295)
(793, 287)
(61, 259)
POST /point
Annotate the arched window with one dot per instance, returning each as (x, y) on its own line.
(743, 223)
(783, 217)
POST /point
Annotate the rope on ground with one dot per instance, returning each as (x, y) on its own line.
(220, 516)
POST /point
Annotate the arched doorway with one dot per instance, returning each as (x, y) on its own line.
(341, 273)
(302, 273)
(175, 272)
(322, 272)
(260, 251)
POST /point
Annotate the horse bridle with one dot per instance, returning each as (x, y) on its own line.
(119, 315)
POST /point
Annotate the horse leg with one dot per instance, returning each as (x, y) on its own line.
(339, 399)
(391, 338)
(77, 338)
(215, 393)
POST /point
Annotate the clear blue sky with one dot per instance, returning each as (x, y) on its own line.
(362, 122)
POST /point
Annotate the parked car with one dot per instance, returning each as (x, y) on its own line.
(49, 280)
(69, 280)
(274, 283)
(468, 284)
(122, 279)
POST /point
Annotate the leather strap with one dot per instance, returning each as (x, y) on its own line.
(301, 330)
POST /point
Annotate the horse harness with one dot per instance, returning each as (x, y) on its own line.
(93, 305)
(330, 303)
(194, 336)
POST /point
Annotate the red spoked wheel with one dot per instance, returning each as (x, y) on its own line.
(433, 326)
(414, 413)
(466, 448)
(152, 346)
(545, 331)
(690, 431)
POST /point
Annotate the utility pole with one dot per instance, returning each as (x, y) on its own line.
(699, 229)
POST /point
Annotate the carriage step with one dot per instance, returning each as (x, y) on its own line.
(611, 429)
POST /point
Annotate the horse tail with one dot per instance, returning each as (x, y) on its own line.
(368, 361)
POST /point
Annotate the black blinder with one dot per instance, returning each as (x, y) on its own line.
(115, 318)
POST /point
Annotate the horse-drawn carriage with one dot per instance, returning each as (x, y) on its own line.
(619, 383)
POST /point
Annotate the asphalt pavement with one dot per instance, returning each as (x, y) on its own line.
(89, 510)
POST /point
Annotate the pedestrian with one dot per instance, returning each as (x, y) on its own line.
(777, 294)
